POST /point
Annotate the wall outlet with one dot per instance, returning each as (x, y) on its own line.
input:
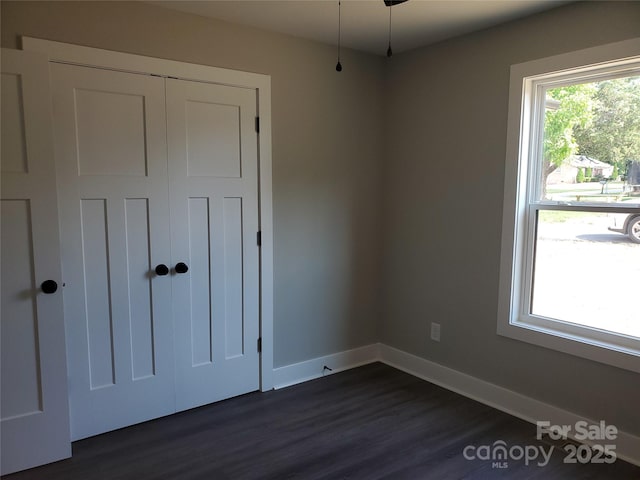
(435, 331)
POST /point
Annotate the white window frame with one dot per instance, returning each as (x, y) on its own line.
(528, 84)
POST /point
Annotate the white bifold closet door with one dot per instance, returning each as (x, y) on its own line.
(111, 159)
(156, 173)
(213, 179)
(35, 416)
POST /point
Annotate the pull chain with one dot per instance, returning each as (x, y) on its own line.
(339, 65)
(389, 51)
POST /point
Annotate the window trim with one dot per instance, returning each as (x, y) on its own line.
(525, 79)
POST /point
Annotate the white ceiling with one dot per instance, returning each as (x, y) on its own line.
(365, 23)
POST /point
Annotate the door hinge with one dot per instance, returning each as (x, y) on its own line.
(260, 345)
(258, 124)
(259, 238)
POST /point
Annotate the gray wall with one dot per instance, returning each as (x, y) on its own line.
(447, 118)
(327, 154)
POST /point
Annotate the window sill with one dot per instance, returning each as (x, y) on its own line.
(573, 344)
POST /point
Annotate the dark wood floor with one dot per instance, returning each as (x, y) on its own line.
(373, 422)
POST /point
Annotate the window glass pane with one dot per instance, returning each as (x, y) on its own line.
(585, 273)
(591, 143)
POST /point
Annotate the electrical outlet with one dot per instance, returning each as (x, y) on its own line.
(435, 331)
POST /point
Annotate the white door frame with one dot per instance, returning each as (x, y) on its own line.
(93, 57)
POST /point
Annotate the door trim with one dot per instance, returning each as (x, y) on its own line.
(59, 52)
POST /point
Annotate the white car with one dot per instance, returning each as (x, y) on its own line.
(629, 226)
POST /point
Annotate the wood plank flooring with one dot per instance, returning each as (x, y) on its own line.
(373, 422)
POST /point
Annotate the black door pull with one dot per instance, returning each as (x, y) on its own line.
(182, 267)
(162, 270)
(49, 286)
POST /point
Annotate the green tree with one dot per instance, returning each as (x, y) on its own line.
(573, 110)
(580, 175)
(613, 135)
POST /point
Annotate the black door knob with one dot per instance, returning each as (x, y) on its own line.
(162, 270)
(182, 267)
(49, 286)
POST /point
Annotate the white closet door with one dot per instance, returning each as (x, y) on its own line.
(112, 174)
(35, 415)
(213, 174)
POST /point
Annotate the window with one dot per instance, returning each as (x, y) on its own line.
(570, 268)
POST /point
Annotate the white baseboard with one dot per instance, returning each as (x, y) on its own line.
(500, 398)
(518, 405)
(337, 362)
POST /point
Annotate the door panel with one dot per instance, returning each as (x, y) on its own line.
(200, 281)
(97, 296)
(14, 148)
(111, 137)
(140, 300)
(213, 181)
(111, 160)
(231, 283)
(213, 139)
(34, 411)
(20, 329)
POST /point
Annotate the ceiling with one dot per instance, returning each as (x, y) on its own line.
(365, 23)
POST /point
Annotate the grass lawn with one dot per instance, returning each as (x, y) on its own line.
(591, 192)
(559, 216)
(584, 188)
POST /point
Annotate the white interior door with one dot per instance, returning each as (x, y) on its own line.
(213, 173)
(35, 415)
(141, 343)
(112, 174)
